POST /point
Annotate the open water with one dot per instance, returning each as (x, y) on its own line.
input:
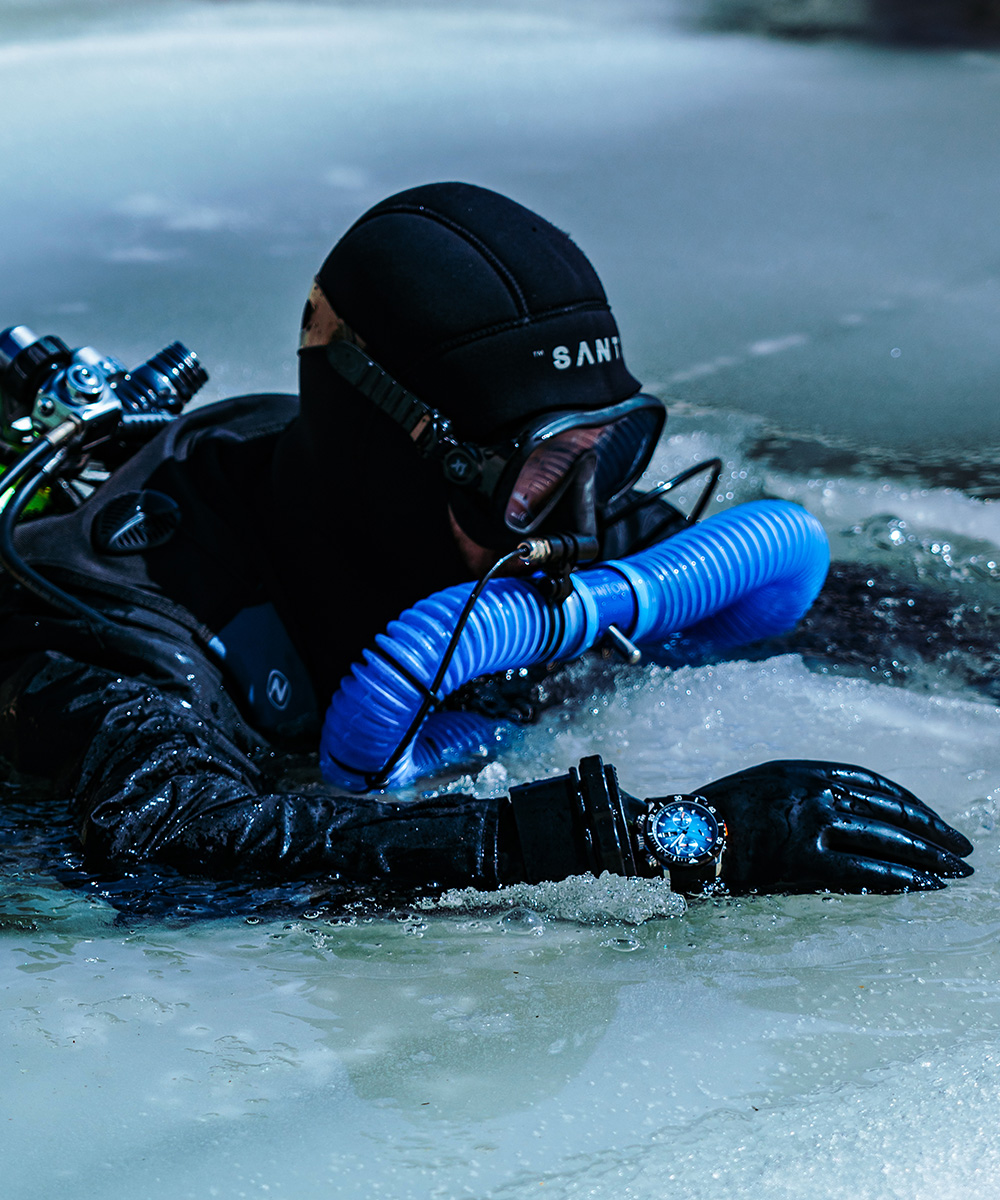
(800, 243)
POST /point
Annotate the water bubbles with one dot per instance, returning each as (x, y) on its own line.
(985, 566)
(624, 945)
(927, 553)
(984, 815)
(522, 921)
(883, 530)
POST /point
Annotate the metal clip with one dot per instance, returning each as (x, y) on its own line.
(616, 641)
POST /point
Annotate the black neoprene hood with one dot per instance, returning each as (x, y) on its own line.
(480, 307)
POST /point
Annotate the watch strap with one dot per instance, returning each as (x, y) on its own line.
(696, 880)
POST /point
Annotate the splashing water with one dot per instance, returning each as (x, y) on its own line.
(605, 901)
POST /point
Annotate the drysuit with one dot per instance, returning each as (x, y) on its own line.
(163, 734)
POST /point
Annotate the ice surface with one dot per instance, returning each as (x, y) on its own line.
(771, 222)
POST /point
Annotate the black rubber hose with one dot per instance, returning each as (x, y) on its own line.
(378, 780)
(14, 564)
(42, 451)
(135, 426)
(710, 464)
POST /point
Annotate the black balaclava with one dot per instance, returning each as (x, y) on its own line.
(484, 311)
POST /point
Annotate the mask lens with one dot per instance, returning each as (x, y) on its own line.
(624, 449)
(620, 449)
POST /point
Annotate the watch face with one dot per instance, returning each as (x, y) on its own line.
(684, 832)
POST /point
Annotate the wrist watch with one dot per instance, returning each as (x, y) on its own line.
(684, 836)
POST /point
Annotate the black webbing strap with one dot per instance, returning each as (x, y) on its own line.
(421, 422)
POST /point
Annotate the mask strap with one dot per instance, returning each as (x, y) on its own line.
(425, 426)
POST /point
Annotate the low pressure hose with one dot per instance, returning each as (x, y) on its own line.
(742, 575)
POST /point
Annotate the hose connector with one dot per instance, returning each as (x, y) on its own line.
(565, 549)
(557, 556)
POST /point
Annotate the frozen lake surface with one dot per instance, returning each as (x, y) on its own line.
(800, 243)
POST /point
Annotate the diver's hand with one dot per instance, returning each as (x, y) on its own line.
(797, 825)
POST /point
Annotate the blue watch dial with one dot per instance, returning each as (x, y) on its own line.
(683, 833)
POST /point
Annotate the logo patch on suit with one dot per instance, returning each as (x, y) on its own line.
(278, 689)
(265, 669)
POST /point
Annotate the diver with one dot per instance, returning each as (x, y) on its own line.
(168, 631)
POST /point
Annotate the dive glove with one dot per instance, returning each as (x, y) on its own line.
(785, 826)
(799, 825)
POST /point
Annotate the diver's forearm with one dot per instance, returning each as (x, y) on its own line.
(154, 780)
(160, 785)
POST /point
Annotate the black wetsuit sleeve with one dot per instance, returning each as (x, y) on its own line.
(154, 780)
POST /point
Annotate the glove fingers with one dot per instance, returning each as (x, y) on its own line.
(852, 775)
(895, 803)
(849, 774)
(881, 842)
(905, 811)
(860, 874)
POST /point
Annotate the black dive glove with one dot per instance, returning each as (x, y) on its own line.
(787, 826)
(797, 825)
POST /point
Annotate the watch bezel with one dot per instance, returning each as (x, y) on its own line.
(664, 856)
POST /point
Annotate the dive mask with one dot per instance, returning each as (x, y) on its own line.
(560, 469)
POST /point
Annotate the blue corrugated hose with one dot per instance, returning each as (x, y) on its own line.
(742, 575)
